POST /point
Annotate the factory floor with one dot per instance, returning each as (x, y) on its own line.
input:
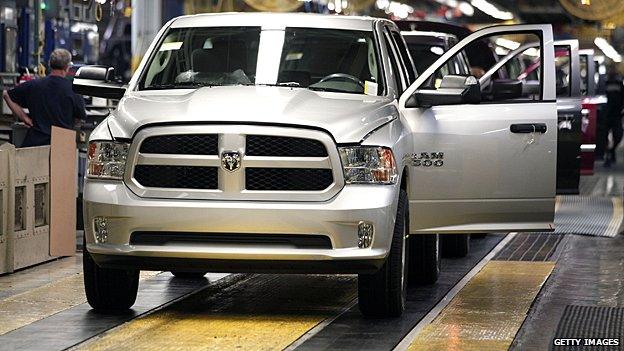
(516, 291)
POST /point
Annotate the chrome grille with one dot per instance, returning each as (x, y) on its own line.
(276, 163)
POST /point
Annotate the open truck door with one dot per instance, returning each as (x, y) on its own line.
(567, 83)
(483, 161)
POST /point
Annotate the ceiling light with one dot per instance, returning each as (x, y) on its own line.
(607, 49)
(531, 52)
(501, 51)
(382, 4)
(437, 50)
(507, 44)
(492, 10)
(466, 8)
(398, 9)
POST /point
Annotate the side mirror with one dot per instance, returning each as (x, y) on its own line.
(506, 89)
(98, 81)
(531, 87)
(453, 90)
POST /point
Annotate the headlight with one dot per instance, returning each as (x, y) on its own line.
(107, 159)
(368, 164)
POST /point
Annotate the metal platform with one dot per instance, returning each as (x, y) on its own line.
(533, 247)
(589, 215)
(590, 322)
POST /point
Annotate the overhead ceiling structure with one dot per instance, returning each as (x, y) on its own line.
(538, 11)
(595, 10)
(274, 5)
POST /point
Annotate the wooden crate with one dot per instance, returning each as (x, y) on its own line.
(31, 206)
(5, 151)
(26, 202)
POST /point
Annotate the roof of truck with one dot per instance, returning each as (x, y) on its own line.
(276, 20)
(426, 34)
(427, 38)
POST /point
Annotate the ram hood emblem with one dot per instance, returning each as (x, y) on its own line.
(230, 160)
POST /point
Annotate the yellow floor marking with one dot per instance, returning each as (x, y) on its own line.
(266, 312)
(616, 217)
(22, 309)
(488, 312)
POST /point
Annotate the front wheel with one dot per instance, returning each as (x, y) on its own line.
(109, 289)
(382, 294)
(424, 259)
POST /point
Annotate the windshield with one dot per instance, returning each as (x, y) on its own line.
(316, 59)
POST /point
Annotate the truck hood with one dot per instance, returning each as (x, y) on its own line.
(347, 117)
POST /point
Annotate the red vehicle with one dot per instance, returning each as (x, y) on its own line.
(592, 105)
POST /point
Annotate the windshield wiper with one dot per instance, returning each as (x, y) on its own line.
(188, 85)
(333, 90)
(282, 84)
(289, 84)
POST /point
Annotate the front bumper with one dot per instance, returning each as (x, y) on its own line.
(337, 219)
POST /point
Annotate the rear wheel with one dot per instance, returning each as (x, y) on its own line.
(455, 245)
(188, 275)
(382, 294)
(424, 259)
(108, 289)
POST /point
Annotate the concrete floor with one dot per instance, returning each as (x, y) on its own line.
(512, 292)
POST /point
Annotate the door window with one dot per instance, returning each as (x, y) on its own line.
(526, 67)
(562, 71)
(521, 81)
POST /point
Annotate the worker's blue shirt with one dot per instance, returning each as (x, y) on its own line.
(50, 102)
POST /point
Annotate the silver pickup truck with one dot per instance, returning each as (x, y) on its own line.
(306, 143)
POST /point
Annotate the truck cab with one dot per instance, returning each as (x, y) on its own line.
(305, 143)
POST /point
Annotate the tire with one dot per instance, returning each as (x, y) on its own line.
(455, 245)
(108, 289)
(424, 260)
(382, 294)
(189, 275)
(478, 235)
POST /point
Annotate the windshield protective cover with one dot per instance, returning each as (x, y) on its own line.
(334, 60)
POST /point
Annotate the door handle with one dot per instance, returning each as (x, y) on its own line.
(528, 128)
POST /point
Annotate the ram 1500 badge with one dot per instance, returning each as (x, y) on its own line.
(275, 143)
